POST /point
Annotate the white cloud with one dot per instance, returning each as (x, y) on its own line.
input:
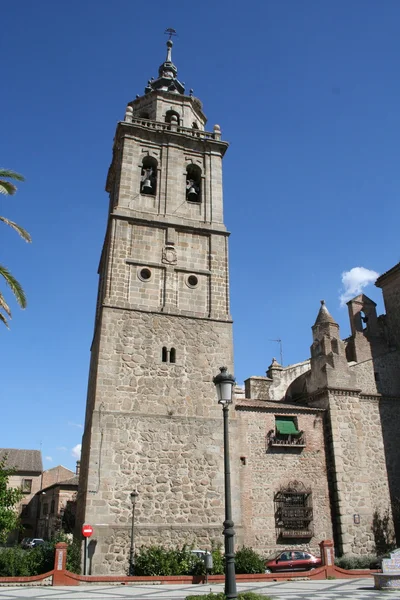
(62, 448)
(72, 424)
(49, 458)
(76, 451)
(354, 281)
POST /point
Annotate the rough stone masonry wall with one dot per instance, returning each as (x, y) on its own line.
(360, 474)
(266, 471)
(176, 464)
(156, 427)
(389, 410)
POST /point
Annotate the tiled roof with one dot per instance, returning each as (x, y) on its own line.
(66, 482)
(72, 481)
(23, 460)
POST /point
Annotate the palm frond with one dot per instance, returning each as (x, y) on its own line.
(4, 306)
(4, 320)
(7, 188)
(14, 285)
(20, 230)
(11, 175)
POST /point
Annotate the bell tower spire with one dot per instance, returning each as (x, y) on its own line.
(167, 72)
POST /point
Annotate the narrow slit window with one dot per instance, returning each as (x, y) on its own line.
(164, 354)
(172, 355)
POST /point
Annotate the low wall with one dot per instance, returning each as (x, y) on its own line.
(60, 576)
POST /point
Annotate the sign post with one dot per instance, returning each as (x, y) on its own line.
(87, 531)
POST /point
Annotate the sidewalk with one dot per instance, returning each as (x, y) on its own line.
(338, 589)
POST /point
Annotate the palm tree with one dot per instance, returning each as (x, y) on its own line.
(8, 189)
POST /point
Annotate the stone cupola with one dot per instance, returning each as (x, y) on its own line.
(164, 101)
(167, 76)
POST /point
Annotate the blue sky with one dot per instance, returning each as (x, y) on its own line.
(308, 95)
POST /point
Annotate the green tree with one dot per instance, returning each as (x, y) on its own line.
(9, 497)
(8, 188)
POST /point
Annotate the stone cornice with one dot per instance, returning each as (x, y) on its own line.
(183, 138)
(165, 221)
(375, 397)
(341, 391)
(139, 309)
(274, 407)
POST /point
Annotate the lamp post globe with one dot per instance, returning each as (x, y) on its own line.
(224, 383)
(133, 497)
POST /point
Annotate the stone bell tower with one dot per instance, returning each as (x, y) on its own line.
(162, 330)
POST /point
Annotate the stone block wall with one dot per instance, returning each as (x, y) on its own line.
(389, 413)
(173, 153)
(266, 470)
(358, 473)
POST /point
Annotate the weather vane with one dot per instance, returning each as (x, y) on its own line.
(169, 31)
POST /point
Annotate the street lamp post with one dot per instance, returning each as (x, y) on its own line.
(224, 383)
(134, 496)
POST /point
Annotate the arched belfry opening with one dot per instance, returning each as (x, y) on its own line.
(148, 177)
(171, 116)
(193, 183)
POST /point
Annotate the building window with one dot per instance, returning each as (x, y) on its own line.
(25, 511)
(26, 486)
(52, 506)
(293, 511)
(192, 281)
(148, 176)
(193, 183)
(45, 510)
(144, 274)
(286, 433)
(168, 355)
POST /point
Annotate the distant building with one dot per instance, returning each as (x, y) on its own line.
(57, 507)
(49, 496)
(314, 446)
(28, 475)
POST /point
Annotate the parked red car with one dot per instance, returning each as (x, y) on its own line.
(291, 560)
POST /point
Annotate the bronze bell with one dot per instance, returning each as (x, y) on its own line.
(192, 194)
(147, 187)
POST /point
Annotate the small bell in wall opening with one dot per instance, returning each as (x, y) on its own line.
(192, 191)
(192, 194)
(147, 187)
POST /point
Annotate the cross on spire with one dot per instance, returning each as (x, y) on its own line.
(169, 31)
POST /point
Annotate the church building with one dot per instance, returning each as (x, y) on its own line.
(313, 445)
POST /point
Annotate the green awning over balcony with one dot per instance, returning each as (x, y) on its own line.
(286, 426)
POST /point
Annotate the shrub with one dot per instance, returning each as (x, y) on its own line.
(156, 560)
(16, 562)
(248, 561)
(364, 561)
(218, 560)
(74, 557)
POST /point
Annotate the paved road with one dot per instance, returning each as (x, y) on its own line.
(338, 589)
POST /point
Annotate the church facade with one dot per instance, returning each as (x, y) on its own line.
(313, 446)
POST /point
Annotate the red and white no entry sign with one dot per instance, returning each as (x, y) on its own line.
(87, 530)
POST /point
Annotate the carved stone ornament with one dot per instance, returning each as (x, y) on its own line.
(169, 255)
